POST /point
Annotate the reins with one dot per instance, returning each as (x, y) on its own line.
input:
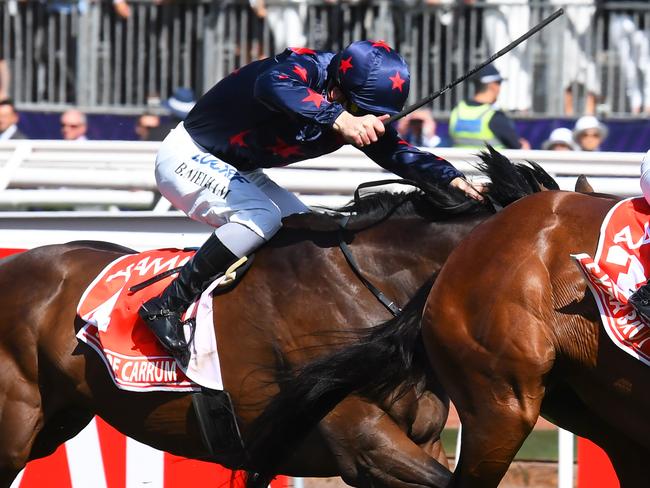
(345, 249)
(390, 305)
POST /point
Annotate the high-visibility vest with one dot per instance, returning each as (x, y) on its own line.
(469, 126)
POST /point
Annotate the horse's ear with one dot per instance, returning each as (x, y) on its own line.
(583, 185)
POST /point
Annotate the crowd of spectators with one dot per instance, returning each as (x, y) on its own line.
(500, 90)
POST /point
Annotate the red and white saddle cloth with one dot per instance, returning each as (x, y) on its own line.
(135, 359)
(621, 265)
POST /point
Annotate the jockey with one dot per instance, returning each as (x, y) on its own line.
(640, 299)
(297, 105)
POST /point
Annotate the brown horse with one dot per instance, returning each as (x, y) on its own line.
(512, 331)
(286, 311)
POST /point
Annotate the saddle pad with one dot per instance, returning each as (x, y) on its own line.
(135, 359)
(620, 266)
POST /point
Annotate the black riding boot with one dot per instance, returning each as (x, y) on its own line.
(640, 300)
(163, 313)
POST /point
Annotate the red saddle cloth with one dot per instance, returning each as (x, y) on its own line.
(620, 266)
(134, 357)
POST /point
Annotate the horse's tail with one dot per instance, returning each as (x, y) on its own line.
(387, 359)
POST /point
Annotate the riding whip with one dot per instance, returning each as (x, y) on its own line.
(496, 55)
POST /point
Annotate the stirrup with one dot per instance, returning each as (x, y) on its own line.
(160, 314)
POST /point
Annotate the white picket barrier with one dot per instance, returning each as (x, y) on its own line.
(73, 171)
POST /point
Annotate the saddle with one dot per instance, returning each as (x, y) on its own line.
(134, 358)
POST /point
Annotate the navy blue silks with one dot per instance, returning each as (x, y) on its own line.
(275, 111)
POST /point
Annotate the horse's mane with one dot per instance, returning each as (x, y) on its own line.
(308, 392)
(508, 182)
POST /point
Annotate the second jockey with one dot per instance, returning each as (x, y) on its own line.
(297, 105)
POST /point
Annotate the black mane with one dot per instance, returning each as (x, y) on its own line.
(508, 182)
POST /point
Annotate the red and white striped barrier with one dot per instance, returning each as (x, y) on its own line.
(101, 457)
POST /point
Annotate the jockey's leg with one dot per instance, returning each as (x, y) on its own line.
(163, 313)
(246, 208)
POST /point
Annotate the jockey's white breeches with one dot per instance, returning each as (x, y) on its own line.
(214, 192)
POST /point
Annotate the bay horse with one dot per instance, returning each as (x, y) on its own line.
(299, 301)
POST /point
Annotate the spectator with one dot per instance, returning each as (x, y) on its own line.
(179, 105)
(473, 123)
(419, 129)
(56, 38)
(561, 139)
(122, 9)
(589, 133)
(633, 45)
(502, 24)
(578, 66)
(286, 21)
(145, 127)
(9, 122)
(4, 77)
(73, 125)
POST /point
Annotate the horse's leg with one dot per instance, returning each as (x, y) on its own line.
(372, 450)
(566, 409)
(21, 418)
(496, 388)
(494, 431)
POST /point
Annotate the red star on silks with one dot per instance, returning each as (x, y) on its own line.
(283, 77)
(302, 50)
(313, 96)
(345, 65)
(403, 142)
(284, 150)
(238, 139)
(381, 44)
(397, 81)
(302, 72)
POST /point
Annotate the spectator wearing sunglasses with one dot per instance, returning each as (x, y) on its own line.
(589, 133)
(73, 125)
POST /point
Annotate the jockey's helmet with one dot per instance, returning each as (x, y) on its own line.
(373, 77)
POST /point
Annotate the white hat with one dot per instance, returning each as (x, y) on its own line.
(587, 122)
(561, 135)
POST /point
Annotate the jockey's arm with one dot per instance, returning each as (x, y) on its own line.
(288, 87)
(397, 156)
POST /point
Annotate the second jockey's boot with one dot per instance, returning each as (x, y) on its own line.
(163, 313)
(640, 300)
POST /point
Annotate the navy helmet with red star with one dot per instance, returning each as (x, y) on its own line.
(373, 77)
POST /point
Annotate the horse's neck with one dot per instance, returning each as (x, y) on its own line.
(403, 252)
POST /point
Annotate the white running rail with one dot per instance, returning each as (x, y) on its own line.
(63, 174)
